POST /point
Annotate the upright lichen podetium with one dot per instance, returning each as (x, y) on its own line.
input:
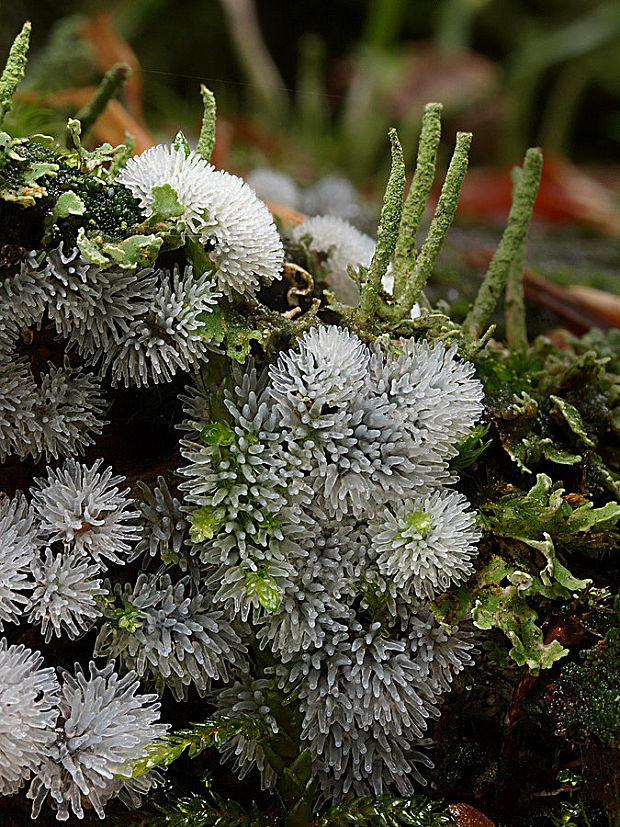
(206, 139)
(14, 70)
(444, 214)
(387, 235)
(514, 303)
(405, 254)
(524, 195)
(111, 84)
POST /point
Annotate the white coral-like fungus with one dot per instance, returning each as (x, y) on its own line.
(28, 713)
(60, 416)
(65, 594)
(68, 412)
(332, 195)
(166, 337)
(84, 508)
(354, 444)
(364, 711)
(247, 248)
(439, 652)
(328, 368)
(18, 402)
(18, 539)
(22, 301)
(90, 306)
(247, 697)
(105, 726)
(426, 544)
(315, 602)
(187, 173)
(344, 245)
(275, 186)
(164, 524)
(196, 407)
(239, 478)
(436, 393)
(221, 209)
(173, 634)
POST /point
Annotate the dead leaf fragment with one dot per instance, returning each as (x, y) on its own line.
(465, 815)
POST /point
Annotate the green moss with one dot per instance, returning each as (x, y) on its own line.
(109, 209)
(585, 700)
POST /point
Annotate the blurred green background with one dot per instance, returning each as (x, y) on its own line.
(516, 72)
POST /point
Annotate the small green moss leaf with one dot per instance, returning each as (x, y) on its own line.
(218, 433)
(265, 588)
(584, 698)
(130, 618)
(420, 520)
(471, 447)
(205, 523)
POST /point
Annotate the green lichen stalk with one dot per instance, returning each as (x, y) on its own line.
(516, 327)
(512, 241)
(111, 84)
(14, 70)
(406, 253)
(444, 214)
(207, 130)
(386, 236)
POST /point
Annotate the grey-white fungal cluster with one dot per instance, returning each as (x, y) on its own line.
(139, 326)
(317, 515)
(343, 246)
(171, 633)
(28, 711)
(247, 696)
(323, 515)
(103, 725)
(55, 545)
(220, 209)
(76, 737)
(135, 325)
